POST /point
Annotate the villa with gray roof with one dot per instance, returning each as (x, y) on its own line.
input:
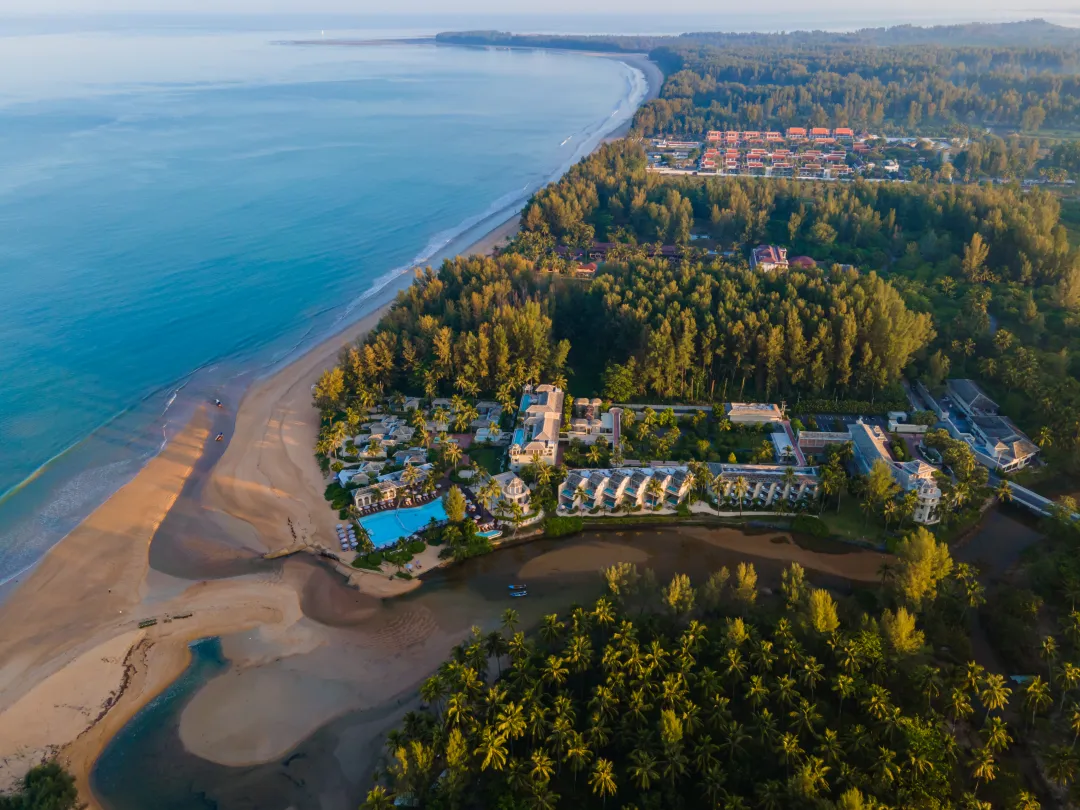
(537, 437)
(625, 488)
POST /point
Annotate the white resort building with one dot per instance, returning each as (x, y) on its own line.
(765, 484)
(538, 435)
(375, 494)
(871, 445)
(753, 413)
(592, 425)
(512, 490)
(625, 488)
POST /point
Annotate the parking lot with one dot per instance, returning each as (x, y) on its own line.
(838, 423)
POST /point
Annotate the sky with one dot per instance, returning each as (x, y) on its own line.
(981, 9)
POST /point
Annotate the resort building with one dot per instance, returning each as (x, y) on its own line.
(752, 413)
(592, 425)
(512, 490)
(625, 488)
(928, 505)
(995, 440)
(969, 398)
(768, 258)
(537, 438)
(377, 493)
(872, 445)
(766, 484)
(486, 413)
(815, 441)
(489, 434)
(411, 455)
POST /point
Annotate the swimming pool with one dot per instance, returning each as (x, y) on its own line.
(385, 528)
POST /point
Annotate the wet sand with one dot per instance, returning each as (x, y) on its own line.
(350, 665)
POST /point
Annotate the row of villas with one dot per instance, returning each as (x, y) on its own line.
(778, 162)
(643, 487)
(818, 134)
(766, 486)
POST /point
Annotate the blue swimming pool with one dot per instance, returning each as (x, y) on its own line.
(385, 528)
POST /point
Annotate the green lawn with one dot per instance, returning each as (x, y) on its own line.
(850, 523)
(487, 458)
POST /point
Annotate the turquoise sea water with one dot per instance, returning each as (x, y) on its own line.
(181, 208)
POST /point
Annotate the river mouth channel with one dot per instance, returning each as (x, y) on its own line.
(377, 653)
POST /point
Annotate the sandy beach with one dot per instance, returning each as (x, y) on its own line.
(186, 537)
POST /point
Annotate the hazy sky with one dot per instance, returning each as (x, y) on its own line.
(982, 9)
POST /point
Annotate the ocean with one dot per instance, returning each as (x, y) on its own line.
(182, 207)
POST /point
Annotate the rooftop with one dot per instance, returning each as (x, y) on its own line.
(972, 396)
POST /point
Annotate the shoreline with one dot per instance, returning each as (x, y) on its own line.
(151, 431)
(185, 535)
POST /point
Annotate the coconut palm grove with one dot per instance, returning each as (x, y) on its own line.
(728, 694)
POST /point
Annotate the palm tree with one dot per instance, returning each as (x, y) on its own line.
(655, 491)
(452, 453)
(1037, 696)
(1044, 438)
(740, 488)
(643, 770)
(602, 779)
(517, 515)
(1061, 765)
(510, 620)
(789, 479)
(493, 750)
(718, 489)
(983, 766)
(577, 755)
(958, 705)
(997, 735)
(595, 455)
(378, 799)
(994, 694)
(490, 493)
(551, 628)
(542, 767)
(1003, 491)
(844, 686)
(1068, 678)
(789, 749)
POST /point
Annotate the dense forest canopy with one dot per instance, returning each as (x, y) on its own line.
(1028, 33)
(610, 195)
(719, 695)
(892, 90)
(695, 331)
(688, 330)
(993, 266)
(475, 326)
(954, 79)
